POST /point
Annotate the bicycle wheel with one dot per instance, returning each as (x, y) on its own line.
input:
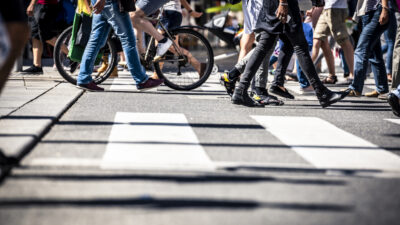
(69, 69)
(190, 70)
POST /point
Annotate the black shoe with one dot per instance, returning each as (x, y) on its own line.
(33, 70)
(266, 99)
(240, 97)
(278, 91)
(393, 101)
(328, 97)
(228, 83)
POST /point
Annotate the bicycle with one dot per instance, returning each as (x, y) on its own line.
(68, 69)
(176, 67)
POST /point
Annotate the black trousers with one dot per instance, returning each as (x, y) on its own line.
(294, 40)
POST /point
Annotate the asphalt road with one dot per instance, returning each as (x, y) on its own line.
(169, 157)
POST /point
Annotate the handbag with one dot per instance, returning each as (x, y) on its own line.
(81, 29)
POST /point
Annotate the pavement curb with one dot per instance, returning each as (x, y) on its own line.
(44, 124)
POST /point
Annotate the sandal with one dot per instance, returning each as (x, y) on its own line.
(331, 79)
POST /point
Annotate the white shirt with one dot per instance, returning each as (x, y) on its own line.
(335, 4)
(173, 5)
(251, 10)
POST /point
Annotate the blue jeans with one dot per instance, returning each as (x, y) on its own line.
(369, 48)
(303, 81)
(102, 23)
(390, 37)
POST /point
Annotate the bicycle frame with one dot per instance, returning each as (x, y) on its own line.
(150, 46)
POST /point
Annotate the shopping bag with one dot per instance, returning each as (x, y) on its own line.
(81, 29)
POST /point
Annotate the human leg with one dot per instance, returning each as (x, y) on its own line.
(240, 95)
(122, 26)
(396, 57)
(98, 38)
(246, 43)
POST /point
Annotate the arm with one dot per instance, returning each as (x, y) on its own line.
(186, 5)
(29, 10)
(99, 6)
(384, 18)
(282, 11)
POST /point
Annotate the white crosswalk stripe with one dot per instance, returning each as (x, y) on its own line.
(396, 121)
(154, 141)
(327, 146)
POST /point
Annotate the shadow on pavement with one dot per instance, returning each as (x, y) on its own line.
(172, 203)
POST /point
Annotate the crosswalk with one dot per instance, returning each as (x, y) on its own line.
(167, 141)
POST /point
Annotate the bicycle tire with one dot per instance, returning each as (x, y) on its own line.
(200, 48)
(63, 64)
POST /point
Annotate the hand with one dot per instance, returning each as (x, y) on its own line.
(99, 6)
(384, 18)
(29, 10)
(282, 13)
(196, 14)
(310, 11)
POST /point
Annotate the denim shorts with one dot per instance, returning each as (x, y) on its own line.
(171, 19)
(150, 6)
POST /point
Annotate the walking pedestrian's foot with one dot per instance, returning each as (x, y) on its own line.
(33, 70)
(328, 97)
(149, 84)
(331, 79)
(281, 91)
(240, 97)
(228, 83)
(92, 86)
(266, 99)
(394, 102)
(351, 92)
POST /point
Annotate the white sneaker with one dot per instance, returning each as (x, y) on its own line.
(307, 91)
(162, 48)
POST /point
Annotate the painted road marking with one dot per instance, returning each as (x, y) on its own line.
(396, 121)
(327, 146)
(154, 141)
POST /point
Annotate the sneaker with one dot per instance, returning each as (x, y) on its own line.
(372, 94)
(384, 96)
(92, 86)
(241, 97)
(351, 92)
(149, 84)
(328, 97)
(275, 89)
(33, 70)
(266, 99)
(393, 101)
(228, 83)
(307, 91)
(162, 48)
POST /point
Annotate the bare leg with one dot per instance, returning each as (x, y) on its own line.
(330, 60)
(139, 22)
(53, 41)
(246, 43)
(37, 50)
(19, 34)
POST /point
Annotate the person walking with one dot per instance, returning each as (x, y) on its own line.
(107, 15)
(374, 15)
(282, 17)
